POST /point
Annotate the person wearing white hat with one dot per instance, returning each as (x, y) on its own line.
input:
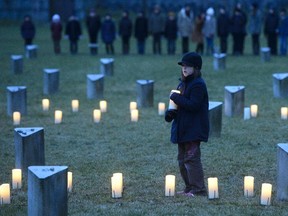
(209, 30)
(56, 32)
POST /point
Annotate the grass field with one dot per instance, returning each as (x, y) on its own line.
(141, 151)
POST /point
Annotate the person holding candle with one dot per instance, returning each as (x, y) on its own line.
(190, 124)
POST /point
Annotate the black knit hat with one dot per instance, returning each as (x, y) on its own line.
(191, 59)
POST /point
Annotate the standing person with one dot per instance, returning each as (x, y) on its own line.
(197, 35)
(171, 33)
(56, 33)
(223, 29)
(209, 30)
(141, 32)
(28, 30)
(271, 30)
(156, 28)
(73, 31)
(185, 26)
(93, 24)
(255, 27)
(125, 31)
(283, 32)
(108, 33)
(190, 123)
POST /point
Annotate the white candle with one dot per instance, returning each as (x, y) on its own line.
(96, 115)
(247, 113)
(134, 115)
(284, 113)
(120, 177)
(69, 181)
(248, 186)
(161, 108)
(16, 178)
(266, 192)
(16, 118)
(5, 194)
(133, 105)
(45, 104)
(103, 106)
(116, 185)
(172, 105)
(213, 188)
(254, 110)
(170, 185)
(75, 105)
(58, 117)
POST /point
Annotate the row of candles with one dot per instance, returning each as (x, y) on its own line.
(252, 111)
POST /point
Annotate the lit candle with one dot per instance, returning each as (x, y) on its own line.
(5, 194)
(248, 186)
(16, 118)
(170, 185)
(172, 105)
(247, 113)
(213, 188)
(16, 178)
(45, 104)
(69, 181)
(75, 105)
(254, 110)
(103, 106)
(161, 108)
(58, 117)
(134, 115)
(266, 191)
(96, 115)
(284, 113)
(120, 177)
(116, 185)
(133, 105)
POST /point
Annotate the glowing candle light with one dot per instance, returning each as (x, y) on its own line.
(161, 108)
(96, 115)
(5, 194)
(58, 117)
(172, 105)
(247, 113)
(133, 105)
(120, 177)
(254, 110)
(248, 186)
(117, 186)
(134, 115)
(75, 105)
(103, 106)
(69, 181)
(284, 113)
(16, 118)
(16, 178)
(266, 192)
(169, 185)
(45, 104)
(213, 188)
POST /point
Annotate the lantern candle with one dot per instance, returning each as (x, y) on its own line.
(247, 113)
(16, 178)
(248, 186)
(254, 110)
(75, 105)
(161, 108)
(5, 194)
(96, 115)
(69, 181)
(284, 113)
(45, 104)
(116, 185)
(266, 191)
(170, 185)
(58, 117)
(172, 105)
(213, 188)
(16, 118)
(120, 177)
(133, 105)
(134, 115)
(103, 106)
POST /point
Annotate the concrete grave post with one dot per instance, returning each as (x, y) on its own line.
(50, 80)
(280, 85)
(145, 93)
(265, 54)
(16, 64)
(215, 118)
(95, 86)
(16, 99)
(219, 61)
(31, 51)
(282, 174)
(107, 66)
(234, 100)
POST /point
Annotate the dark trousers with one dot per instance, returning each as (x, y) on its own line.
(171, 46)
(223, 44)
(200, 48)
(109, 48)
(57, 48)
(141, 46)
(255, 44)
(73, 46)
(272, 43)
(28, 41)
(125, 45)
(157, 43)
(185, 44)
(93, 44)
(191, 170)
(237, 44)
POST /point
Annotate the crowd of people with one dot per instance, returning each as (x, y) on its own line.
(202, 30)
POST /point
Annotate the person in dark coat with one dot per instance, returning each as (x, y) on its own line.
(283, 32)
(108, 33)
(223, 28)
(171, 33)
(271, 30)
(190, 123)
(56, 33)
(141, 32)
(125, 32)
(255, 23)
(73, 31)
(93, 24)
(28, 30)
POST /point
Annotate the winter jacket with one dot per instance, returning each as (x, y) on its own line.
(28, 30)
(156, 23)
(271, 24)
(171, 29)
(255, 23)
(73, 30)
(108, 31)
(141, 28)
(125, 27)
(197, 35)
(238, 24)
(223, 26)
(185, 23)
(209, 28)
(283, 27)
(56, 30)
(93, 24)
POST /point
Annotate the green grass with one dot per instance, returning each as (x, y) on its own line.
(141, 151)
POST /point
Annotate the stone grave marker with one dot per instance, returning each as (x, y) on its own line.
(234, 100)
(16, 99)
(219, 61)
(16, 64)
(215, 118)
(50, 80)
(31, 51)
(145, 93)
(282, 172)
(107, 66)
(265, 54)
(280, 85)
(95, 86)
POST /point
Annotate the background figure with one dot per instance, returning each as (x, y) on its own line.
(283, 32)
(209, 30)
(223, 29)
(271, 30)
(73, 31)
(125, 31)
(28, 30)
(108, 33)
(197, 35)
(171, 33)
(255, 28)
(56, 33)
(141, 32)
(185, 26)
(156, 28)
(93, 23)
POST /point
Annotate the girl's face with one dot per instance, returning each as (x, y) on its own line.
(187, 71)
